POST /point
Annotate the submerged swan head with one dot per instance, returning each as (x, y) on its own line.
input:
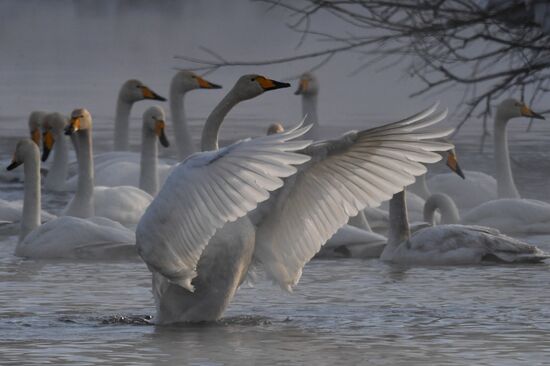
(35, 121)
(81, 119)
(134, 90)
(252, 85)
(52, 127)
(26, 149)
(154, 123)
(308, 85)
(185, 81)
(512, 108)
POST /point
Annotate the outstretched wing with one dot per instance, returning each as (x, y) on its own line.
(208, 190)
(359, 170)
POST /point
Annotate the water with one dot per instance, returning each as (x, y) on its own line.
(342, 311)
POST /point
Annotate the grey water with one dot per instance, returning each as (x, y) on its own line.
(342, 311)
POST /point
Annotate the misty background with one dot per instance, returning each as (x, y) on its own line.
(61, 54)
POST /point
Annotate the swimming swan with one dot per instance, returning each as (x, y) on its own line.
(131, 91)
(124, 204)
(480, 187)
(451, 244)
(63, 237)
(197, 236)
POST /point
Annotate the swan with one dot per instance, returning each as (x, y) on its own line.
(124, 204)
(480, 187)
(183, 82)
(63, 237)
(451, 244)
(308, 88)
(131, 91)
(349, 241)
(204, 228)
(34, 122)
(148, 172)
(53, 129)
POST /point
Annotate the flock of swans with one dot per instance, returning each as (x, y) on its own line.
(203, 220)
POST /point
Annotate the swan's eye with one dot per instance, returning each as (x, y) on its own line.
(253, 79)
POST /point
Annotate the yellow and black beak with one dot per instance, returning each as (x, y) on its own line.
(149, 94)
(14, 164)
(35, 136)
(48, 144)
(74, 126)
(302, 87)
(452, 163)
(159, 131)
(204, 84)
(527, 112)
(268, 84)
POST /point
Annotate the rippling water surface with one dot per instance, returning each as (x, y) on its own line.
(342, 311)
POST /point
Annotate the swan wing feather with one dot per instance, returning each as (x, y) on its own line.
(208, 190)
(359, 170)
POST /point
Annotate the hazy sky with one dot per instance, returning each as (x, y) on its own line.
(61, 54)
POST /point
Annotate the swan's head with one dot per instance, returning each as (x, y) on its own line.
(452, 163)
(81, 120)
(185, 81)
(153, 123)
(308, 85)
(25, 150)
(52, 127)
(134, 90)
(275, 128)
(35, 121)
(512, 108)
(252, 85)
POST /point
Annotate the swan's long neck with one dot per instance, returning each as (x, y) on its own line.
(55, 180)
(148, 176)
(445, 205)
(309, 108)
(122, 120)
(399, 223)
(419, 187)
(210, 132)
(82, 204)
(184, 141)
(505, 181)
(32, 200)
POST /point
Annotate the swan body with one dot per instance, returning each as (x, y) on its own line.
(131, 91)
(450, 244)
(208, 200)
(64, 237)
(512, 216)
(124, 204)
(468, 193)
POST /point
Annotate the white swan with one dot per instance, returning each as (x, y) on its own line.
(349, 241)
(480, 187)
(64, 237)
(34, 123)
(308, 88)
(451, 244)
(123, 204)
(54, 138)
(183, 82)
(197, 235)
(148, 173)
(131, 91)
